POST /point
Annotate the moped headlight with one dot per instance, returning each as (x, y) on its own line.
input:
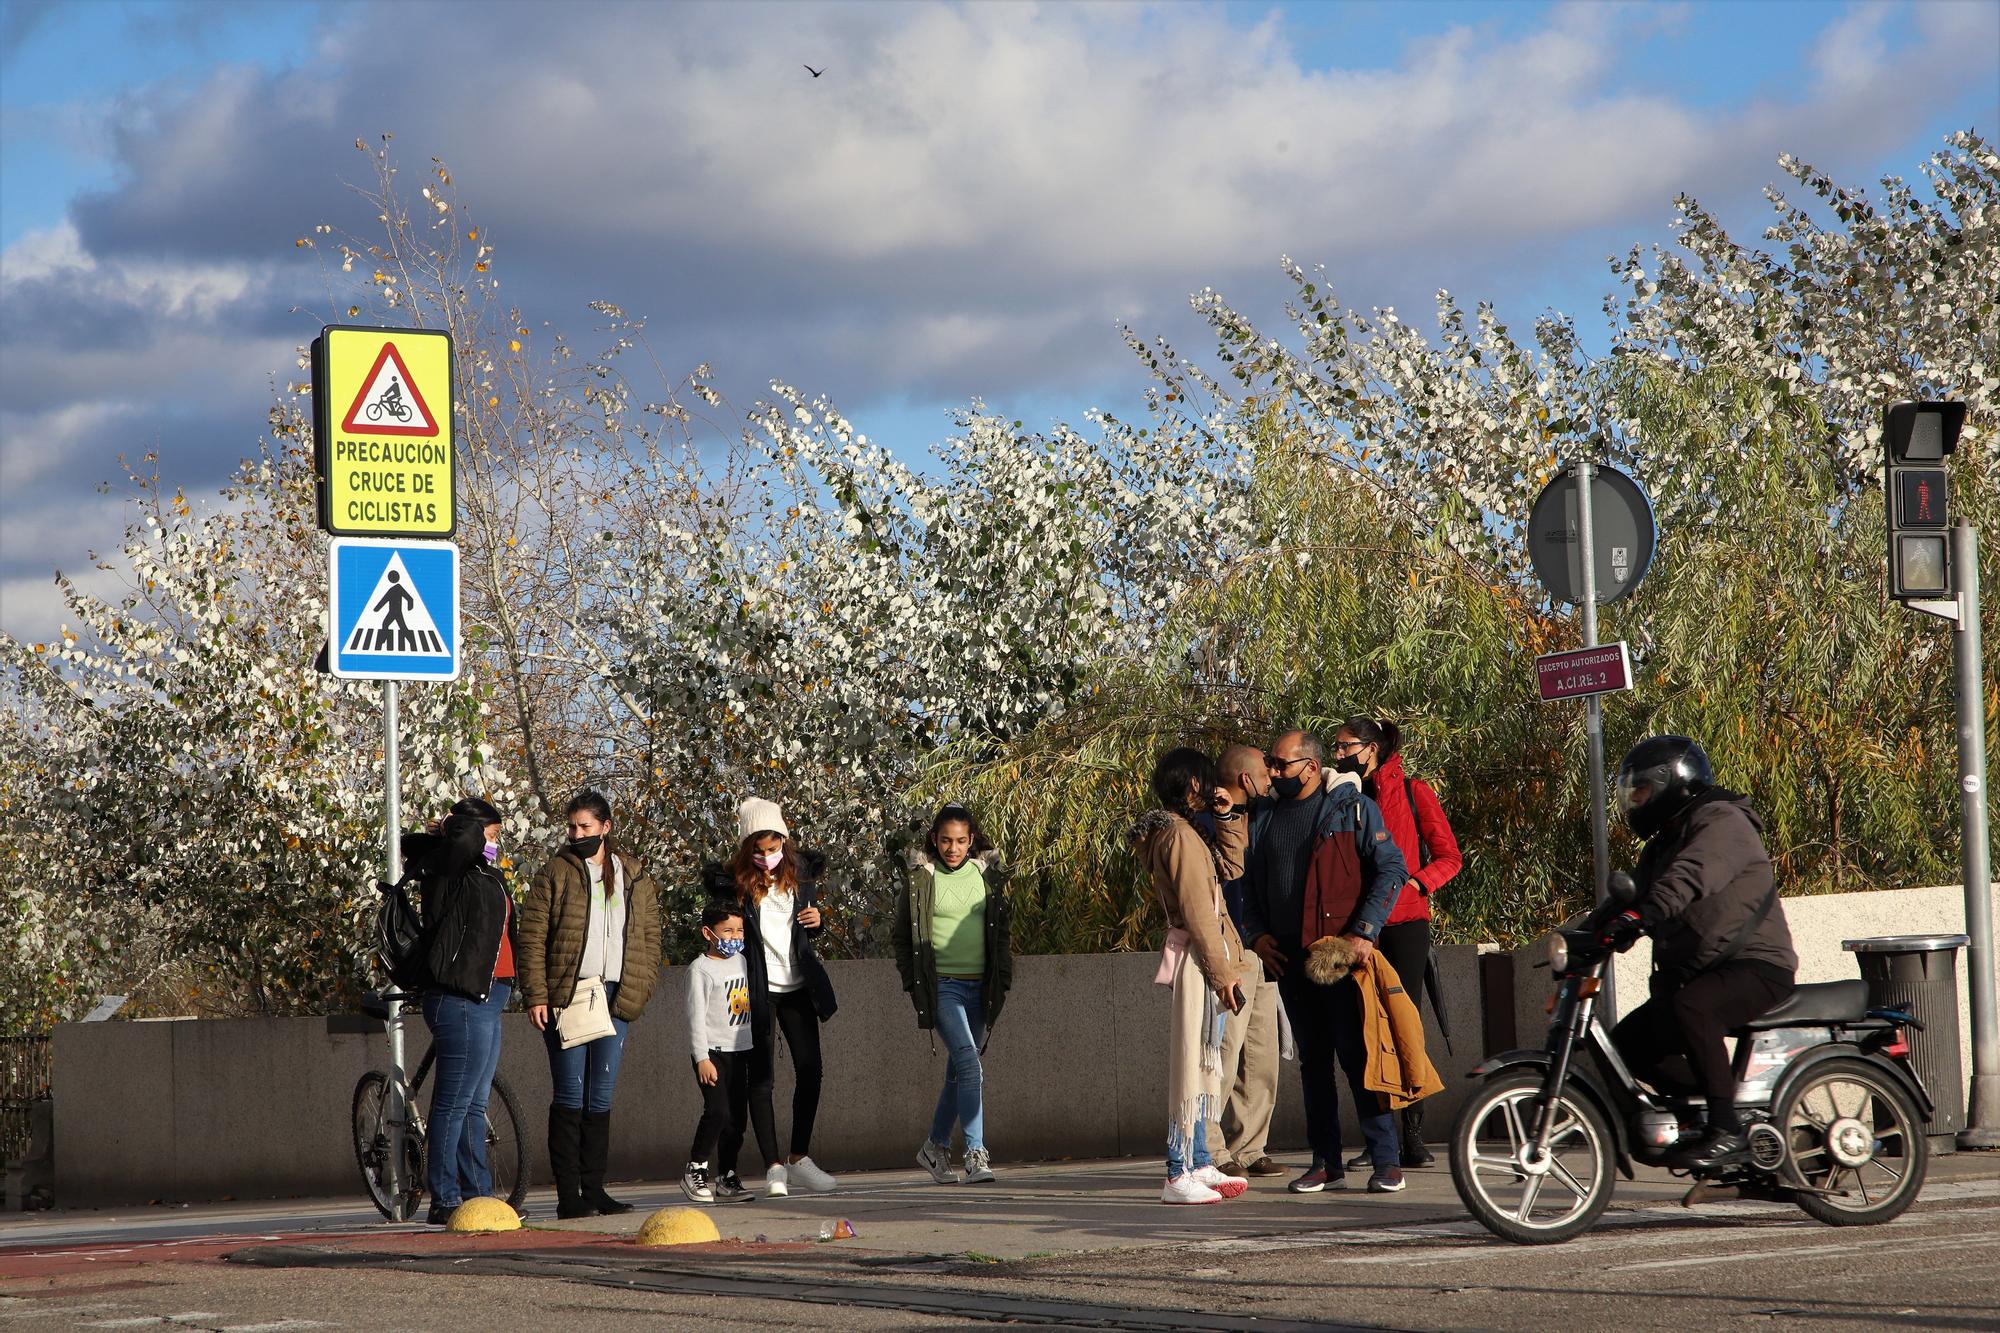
(1558, 952)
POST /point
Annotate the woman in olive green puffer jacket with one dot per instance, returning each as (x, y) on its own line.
(592, 911)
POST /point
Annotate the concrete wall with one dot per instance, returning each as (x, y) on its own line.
(252, 1108)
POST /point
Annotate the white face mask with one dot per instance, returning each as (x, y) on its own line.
(770, 860)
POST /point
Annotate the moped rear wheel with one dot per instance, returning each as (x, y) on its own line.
(1530, 1205)
(1849, 1127)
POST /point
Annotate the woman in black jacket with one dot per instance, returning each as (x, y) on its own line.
(777, 885)
(469, 919)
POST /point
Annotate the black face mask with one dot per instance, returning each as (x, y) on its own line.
(1288, 788)
(587, 847)
(1350, 763)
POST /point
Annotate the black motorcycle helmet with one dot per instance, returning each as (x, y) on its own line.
(1660, 777)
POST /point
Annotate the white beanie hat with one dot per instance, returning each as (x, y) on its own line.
(757, 815)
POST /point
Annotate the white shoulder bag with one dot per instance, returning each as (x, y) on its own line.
(587, 1016)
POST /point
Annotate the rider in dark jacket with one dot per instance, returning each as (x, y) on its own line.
(1722, 954)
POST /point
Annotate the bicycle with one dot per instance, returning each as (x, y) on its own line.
(385, 1112)
(393, 404)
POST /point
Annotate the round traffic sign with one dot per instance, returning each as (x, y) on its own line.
(1621, 519)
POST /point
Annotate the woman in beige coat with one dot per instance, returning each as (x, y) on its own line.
(1204, 963)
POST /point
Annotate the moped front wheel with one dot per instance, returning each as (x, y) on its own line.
(1514, 1195)
(1853, 1132)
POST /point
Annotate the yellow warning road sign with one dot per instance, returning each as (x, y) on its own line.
(382, 417)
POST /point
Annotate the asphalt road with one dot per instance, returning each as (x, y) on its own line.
(1105, 1257)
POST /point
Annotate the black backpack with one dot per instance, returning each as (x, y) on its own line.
(402, 945)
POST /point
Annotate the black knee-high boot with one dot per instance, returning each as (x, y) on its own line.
(1414, 1151)
(596, 1156)
(566, 1160)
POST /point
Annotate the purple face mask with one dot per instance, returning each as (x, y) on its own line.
(769, 860)
(492, 853)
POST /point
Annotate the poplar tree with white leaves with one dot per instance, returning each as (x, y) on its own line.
(684, 605)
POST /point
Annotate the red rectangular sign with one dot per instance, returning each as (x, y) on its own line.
(1581, 672)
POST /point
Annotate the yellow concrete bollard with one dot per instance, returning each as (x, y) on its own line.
(484, 1214)
(677, 1226)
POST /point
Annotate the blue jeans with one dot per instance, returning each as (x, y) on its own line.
(1197, 1158)
(585, 1076)
(465, 1034)
(961, 1021)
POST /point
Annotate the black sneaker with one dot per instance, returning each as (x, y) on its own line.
(1317, 1178)
(695, 1183)
(440, 1214)
(728, 1188)
(1714, 1148)
(1386, 1180)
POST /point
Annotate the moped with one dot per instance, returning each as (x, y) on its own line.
(1835, 1115)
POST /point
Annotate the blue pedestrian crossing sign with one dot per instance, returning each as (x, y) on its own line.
(394, 609)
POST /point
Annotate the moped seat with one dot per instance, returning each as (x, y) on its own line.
(1822, 1002)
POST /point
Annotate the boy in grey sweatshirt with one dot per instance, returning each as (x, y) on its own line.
(719, 1038)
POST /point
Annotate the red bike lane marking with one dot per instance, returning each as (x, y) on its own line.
(29, 1262)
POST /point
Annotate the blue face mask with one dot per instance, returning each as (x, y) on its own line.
(492, 853)
(729, 948)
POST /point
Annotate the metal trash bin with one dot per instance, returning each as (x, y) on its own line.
(1919, 975)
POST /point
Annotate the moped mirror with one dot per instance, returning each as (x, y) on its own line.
(1620, 888)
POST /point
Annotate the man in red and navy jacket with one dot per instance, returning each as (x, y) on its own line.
(1322, 863)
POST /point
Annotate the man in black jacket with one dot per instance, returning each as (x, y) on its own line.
(1722, 954)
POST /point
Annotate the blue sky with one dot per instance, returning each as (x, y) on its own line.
(962, 207)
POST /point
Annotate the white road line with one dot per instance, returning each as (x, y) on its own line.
(1753, 1256)
(1706, 1224)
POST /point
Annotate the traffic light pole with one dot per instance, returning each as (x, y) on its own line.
(1982, 1120)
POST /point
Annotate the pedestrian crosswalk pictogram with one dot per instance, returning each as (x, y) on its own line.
(394, 609)
(396, 620)
(389, 403)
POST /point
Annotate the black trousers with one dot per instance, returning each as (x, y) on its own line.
(1690, 1020)
(1407, 946)
(794, 1017)
(725, 1108)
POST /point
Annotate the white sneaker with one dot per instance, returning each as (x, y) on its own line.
(775, 1182)
(1187, 1188)
(810, 1178)
(937, 1161)
(978, 1166)
(1220, 1181)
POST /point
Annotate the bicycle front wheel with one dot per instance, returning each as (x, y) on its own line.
(506, 1151)
(373, 1135)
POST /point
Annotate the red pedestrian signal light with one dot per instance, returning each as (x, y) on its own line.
(1916, 439)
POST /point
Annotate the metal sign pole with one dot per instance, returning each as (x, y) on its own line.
(1982, 1120)
(392, 810)
(1600, 835)
(1593, 714)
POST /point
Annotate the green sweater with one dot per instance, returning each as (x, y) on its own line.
(958, 921)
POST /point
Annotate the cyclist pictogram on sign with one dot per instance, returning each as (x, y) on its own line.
(390, 403)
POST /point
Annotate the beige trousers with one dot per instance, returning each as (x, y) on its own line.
(1250, 1077)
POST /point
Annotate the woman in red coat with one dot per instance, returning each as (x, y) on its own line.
(1371, 748)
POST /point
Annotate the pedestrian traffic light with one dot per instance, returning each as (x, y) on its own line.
(1917, 438)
